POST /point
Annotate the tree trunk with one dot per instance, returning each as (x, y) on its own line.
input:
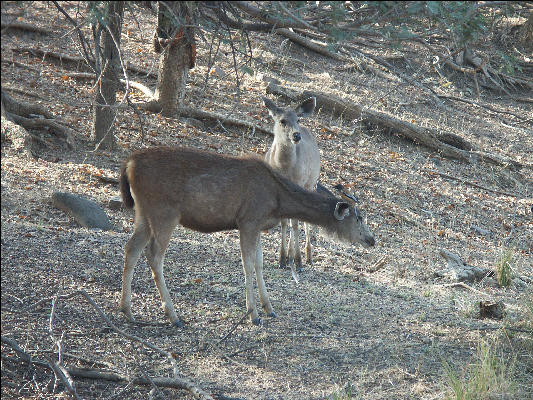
(526, 33)
(175, 41)
(110, 72)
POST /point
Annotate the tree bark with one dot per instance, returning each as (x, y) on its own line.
(110, 72)
(175, 41)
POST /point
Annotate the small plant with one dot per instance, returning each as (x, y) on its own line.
(348, 392)
(504, 270)
(489, 377)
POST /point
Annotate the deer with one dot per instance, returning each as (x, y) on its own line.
(210, 192)
(294, 153)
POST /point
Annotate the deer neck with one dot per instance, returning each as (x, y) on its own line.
(307, 206)
(283, 155)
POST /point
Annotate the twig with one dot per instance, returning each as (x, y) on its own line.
(87, 373)
(477, 104)
(470, 183)
(464, 285)
(378, 264)
(233, 328)
(60, 371)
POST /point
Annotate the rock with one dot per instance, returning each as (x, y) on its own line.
(86, 212)
(480, 231)
(115, 203)
(459, 271)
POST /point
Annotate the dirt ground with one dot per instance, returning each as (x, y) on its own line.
(347, 330)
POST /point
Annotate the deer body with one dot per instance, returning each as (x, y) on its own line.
(294, 153)
(209, 192)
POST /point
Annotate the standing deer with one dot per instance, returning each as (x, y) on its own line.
(294, 153)
(209, 192)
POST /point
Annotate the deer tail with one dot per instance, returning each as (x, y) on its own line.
(127, 199)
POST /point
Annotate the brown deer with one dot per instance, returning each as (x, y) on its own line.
(294, 153)
(209, 192)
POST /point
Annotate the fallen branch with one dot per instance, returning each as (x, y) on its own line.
(219, 118)
(22, 65)
(65, 133)
(317, 48)
(43, 54)
(464, 285)
(477, 104)
(470, 183)
(23, 26)
(88, 373)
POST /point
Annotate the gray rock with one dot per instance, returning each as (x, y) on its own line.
(480, 231)
(86, 212)
(115, 203)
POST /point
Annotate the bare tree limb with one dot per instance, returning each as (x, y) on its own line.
(23, 26)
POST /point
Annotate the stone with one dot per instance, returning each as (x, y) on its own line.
(86, 212)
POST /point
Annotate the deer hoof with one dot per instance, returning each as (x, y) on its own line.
(257, 321)
(272, 315)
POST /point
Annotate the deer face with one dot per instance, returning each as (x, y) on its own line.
(286, 121)
(352, 227)
(350, 224)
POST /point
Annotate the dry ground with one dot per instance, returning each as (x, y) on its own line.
(382, 335)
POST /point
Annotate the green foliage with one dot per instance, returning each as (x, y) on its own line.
(504, 268)
(509, 63)
(488, 377)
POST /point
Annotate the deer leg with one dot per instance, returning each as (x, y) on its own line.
(155, 254)
(134, 248)
(283, 248)
(294, 246)
(263, 295)
(249, 253)
(308, 247)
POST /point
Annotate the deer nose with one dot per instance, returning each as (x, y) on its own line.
(371, 241)
(296, 137)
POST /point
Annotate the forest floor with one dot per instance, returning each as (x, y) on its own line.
(347, 330)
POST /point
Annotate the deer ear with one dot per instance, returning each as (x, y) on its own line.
(306, 108)
(273, 110)
(342, 210)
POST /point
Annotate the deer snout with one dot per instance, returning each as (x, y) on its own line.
(296, 136)
(371, 241)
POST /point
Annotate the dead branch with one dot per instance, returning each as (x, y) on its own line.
(87, 373)
(263, 16)
(22, 92)
(44, 54)
(233, 328)
(314, 46)
(23, 26)
(478, 104)
(65, 133)
(471, 183)
(464, 285)
(22, 65)
(219, 118)
(59, 369)
(23, 108)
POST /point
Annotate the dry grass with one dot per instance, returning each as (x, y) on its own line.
(343, 331)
